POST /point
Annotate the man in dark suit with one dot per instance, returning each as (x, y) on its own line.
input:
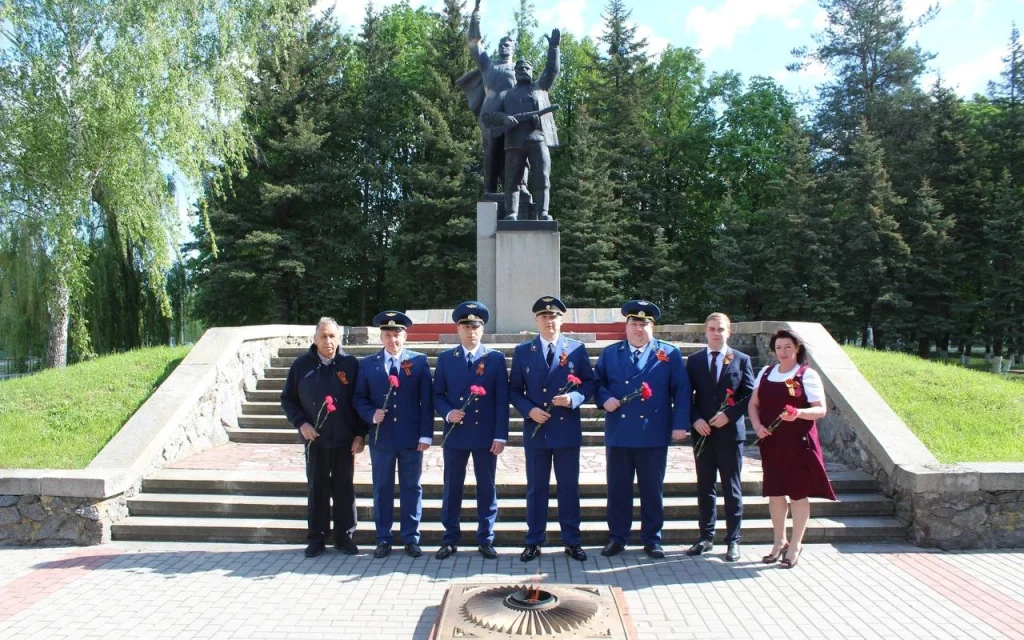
(637, 433)
(540, 371)
(722, 381)
(474, 426)
(334, 433)
(402, 429)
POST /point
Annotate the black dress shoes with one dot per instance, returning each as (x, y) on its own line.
(445, 551)
(733, 554)
(487, 551)
(613, 549)
(413, 549)
(655, 551)
(344, 544)
(529, 553)
(383, 550)
(700, 547)
(315, 548)
(576, 552)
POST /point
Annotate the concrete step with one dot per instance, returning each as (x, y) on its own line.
(595, 533)
(294, 507)
(588, 424)
(279, 365)
(278, 483)
(273, 408)
(281, 435)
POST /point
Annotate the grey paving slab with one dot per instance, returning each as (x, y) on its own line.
(206, 590)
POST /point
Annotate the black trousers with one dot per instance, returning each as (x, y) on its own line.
(723, 458)
(329, 474)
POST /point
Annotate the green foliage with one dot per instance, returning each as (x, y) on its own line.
(959, 414)
(97, 94)
(62, 418)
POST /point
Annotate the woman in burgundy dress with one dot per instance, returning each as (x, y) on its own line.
(790, 455)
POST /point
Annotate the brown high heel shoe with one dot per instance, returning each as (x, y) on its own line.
(771, 559)
(789, 563)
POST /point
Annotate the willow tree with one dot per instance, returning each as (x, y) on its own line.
(100, 98)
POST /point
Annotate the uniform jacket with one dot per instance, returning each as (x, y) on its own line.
(643, 423)
(532, 97)
(532, 384)
(708, 394)
(486, 417)
(410, 410)
(309, 381)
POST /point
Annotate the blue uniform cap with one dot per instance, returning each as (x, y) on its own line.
(471, 312)
(548, 304)
(641, 309)
(392, 320)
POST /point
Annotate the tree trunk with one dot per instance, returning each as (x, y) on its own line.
(58, 307)
(923, 347)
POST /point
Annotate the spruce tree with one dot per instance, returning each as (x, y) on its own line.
(874, 255)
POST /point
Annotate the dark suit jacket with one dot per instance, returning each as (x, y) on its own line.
(309, 382)
(708, 395)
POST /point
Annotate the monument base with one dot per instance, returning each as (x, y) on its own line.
(517, 262)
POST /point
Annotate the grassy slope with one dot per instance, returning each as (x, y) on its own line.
(960, 414)
(62, 418)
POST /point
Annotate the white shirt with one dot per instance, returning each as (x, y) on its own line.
(718, 361)
(645, 351)
(813, 386)
(388, 358)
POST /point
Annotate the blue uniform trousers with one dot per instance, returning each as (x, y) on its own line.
(410, 464)
(725, 458)
(485, 465)
(538, 481)
(648, 465)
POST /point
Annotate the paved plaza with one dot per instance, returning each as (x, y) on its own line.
(174, 590)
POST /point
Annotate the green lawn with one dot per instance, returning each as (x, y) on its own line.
(61, 419)
(960, 414)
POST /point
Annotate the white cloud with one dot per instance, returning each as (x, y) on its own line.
(655, 43)
(914, 9)
(718, 28)
(972, 76)
(350, 13)
(566, 15)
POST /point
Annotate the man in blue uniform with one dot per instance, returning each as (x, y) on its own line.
(475, 426)
(402, 429)
(334, 436)
(540, 391)
(637, 432)
(719, 374)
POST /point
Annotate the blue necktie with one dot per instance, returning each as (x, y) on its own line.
(469, 361)
(551, 355)
(636, 357)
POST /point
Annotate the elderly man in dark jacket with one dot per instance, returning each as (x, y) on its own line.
(317, 399)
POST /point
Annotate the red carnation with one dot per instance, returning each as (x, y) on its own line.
(393, 380)
(477, 390)
(645, 391)
(573, 380)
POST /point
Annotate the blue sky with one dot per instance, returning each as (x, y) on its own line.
(754, 37)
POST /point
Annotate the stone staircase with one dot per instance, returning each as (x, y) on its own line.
(269, 506)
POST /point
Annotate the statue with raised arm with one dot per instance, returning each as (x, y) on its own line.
(482, 87)
(525, 114)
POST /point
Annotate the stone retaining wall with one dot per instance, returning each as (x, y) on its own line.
(956, 506)
(187, 414)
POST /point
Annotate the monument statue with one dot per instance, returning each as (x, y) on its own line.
(525, 114)
(486, 88)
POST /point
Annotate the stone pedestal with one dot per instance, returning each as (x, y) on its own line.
(517, 262)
